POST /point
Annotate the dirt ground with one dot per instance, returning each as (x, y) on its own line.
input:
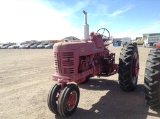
(26, 78)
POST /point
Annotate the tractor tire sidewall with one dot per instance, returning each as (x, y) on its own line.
(51, 100)
(151, 79)
(62, 106)
(125, 66)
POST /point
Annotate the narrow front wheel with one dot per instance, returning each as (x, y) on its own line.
(68, 100)
(53, 98)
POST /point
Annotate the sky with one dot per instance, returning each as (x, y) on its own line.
(22, 20)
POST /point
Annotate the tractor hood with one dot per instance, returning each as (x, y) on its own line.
(82, 48)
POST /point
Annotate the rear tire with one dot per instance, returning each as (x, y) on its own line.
(151, 79)
(128, 67)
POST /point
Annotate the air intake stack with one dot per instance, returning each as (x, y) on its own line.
(85, 27)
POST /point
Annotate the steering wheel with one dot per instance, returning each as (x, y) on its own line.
(104, 29)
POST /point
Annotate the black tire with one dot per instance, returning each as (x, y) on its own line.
(69, 90)
(52, 99)
(128, 67)
(151, 79)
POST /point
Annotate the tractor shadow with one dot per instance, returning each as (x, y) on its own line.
(115, 104)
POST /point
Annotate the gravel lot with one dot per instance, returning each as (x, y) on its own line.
(26, 78)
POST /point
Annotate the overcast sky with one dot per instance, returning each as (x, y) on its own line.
(22, 20)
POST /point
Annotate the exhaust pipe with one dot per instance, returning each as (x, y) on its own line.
(85, 27)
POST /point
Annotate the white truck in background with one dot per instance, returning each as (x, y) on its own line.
(150, 39)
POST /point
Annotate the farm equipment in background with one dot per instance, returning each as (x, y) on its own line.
(75, 62)
(151, 39)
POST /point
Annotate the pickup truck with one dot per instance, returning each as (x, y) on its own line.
(138, 41)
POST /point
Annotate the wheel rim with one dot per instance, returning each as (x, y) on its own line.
(72, 99)
(135, 68)
(57, 96)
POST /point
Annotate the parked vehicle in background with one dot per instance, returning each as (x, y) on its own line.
(138, 41)
(49, 46)
(34, 46)
(27, 46)
(71, 39)
(42, 45)
(125, 41)
(13, 47)
(150, 39)
(21, 46)
(1, 45)
(5, 46)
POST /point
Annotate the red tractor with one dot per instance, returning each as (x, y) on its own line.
(75, 62)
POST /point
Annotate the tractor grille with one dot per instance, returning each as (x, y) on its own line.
(64, 62)
(67, 55)
(68, 62)
(68, 70)
(57, 63)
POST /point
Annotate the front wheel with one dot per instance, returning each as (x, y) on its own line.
(68, 100)
(53, 98)
(128, 67)
(151, 79)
